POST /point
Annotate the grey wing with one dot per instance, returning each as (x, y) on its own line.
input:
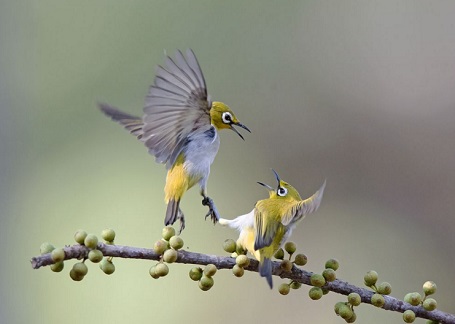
(131, 123)
(304, 207)
(176, 105)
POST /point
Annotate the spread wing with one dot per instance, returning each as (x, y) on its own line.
(266, 228)
(176, 105)
(300, 209)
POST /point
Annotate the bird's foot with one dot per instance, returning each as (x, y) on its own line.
(213, 212)
(181, 217)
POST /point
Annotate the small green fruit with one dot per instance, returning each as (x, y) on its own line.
(315, 293)
(354, 299)
(95, 256)
(370, 278)
(329, 274)
(290, 247)
(413, 298)
(159, 247)
(107, 266)
(46, 248)
(170, 256)
(75, 276)
(345, 312)
(317, 280)
(300, 259)
(352, 319)
(161, 269)
(58, 255)
(229, 246)
(91, 241)
(57, 267)
(168, 232)
(195, 273)
(377, 300)
(152, 272)
(80, 236)
(80, 269)
(332, 264)
(337, 307)
(409, 316)
(429, 304)
(176, 242)
(206, 283)
(286, 265)
(384, 288)
(240, 249)
(429, 288)
(108, 235)
(284, 289)
(210, 270)
(238, 271)
(242, 261)
(279, 254)
(295, 285)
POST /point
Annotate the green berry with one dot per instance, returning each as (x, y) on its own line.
(429, 288)
(337, 307)
(300, 259)
(332, 264)
(210, 270)
(240, 249)
(384, 288)
(242, 261)
(345, 312)
(152, 272)
(370, 278)
(295, 285)
(377, 300)
(352, 318)
(57, 267)
(75, 276)
(46, 248)
(108, 235)
(176, 242)
(409, 316)
(284, 289)
(229, 246)
(354, 299)
(206, 283)
(160, 246)
(429, 304)
(290, 247)
(80, 269)
(95, 256)
(91, 241)
(161, 269)
(80, 236)
(58, 255)
(170, 256)
(279, 254)
(286, 265)
(325, 291)
(317, 280)
(329, 274)
(413, 298)
(238, 271)
(315, 293)
(107, 266)
(168, 232)
(195, 273)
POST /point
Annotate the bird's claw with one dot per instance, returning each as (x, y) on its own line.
(213, 212)
(181, 217)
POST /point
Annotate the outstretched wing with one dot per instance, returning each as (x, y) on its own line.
(298, 210)
(267, 228)
(176, 105)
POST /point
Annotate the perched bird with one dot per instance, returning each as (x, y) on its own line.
(180, 128)
(268, 226)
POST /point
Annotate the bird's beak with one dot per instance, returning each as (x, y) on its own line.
(266, 185)
(277, 177)
(240, 125)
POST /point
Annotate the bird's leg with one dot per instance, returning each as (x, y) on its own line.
(181, 217)
(213, 212)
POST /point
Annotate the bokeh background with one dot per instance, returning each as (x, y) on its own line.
(358, 93)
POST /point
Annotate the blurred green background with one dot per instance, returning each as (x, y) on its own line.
(360, 93)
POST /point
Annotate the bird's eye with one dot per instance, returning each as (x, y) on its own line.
(282, 191)
(227, 118)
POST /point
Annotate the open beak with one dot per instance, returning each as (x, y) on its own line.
(240, 125)
(266, 185)
(277, 177)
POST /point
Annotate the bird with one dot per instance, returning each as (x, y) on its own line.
(270, 224)
(180, 128)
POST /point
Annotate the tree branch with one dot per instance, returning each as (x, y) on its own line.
(338, 286)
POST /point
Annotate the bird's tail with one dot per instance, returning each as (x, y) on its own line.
(132, 123)
(265, 270)
(172, 212)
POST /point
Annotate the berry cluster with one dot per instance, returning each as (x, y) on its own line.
(415, 299)
(167, 248)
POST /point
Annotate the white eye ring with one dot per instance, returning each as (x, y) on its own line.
(227, 118)
(282, 192)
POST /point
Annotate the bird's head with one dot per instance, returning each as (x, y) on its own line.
(222, 117)
(283, 190)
